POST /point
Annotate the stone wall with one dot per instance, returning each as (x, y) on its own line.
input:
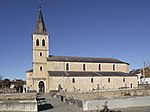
(117, 103)
(107, 94)
(116, 99)
(90, 66)
(18, 102)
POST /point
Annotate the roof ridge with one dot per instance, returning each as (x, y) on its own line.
(84, 59)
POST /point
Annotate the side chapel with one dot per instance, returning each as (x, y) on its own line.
(73, 73)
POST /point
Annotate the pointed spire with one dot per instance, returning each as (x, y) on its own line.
(40, 26)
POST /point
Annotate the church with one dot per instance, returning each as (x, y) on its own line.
(69, 73)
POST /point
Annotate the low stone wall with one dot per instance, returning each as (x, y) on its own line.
(144, 86)
(117, 103)
(116, 99)
(70, 100)
(106, 94)
(18, 102)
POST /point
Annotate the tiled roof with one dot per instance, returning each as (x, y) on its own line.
(84, 59)
(86, 74)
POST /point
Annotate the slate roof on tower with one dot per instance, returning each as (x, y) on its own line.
(40, 26)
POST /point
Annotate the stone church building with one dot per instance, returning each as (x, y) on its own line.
(70, 73)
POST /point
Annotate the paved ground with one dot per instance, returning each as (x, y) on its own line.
(54, 105)
(137, 109)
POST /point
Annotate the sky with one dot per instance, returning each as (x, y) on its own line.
(90, 28)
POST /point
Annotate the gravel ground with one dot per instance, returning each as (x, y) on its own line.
(54, 105)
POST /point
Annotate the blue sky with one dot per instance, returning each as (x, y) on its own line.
(91, 28)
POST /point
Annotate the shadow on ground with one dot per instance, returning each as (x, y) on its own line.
(45, 107)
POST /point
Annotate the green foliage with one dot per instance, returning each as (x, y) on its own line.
(19, 88)
(6, 83)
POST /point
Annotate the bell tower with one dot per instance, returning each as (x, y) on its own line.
(40, 40)
(40, 51)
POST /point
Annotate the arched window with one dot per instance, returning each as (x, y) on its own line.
(43, 42)
(91, 80)
(131, 85)
(41, 54)
(114, 67)
(41, 68)
(73, 80)
(37, 42)
(83, 67)
(99, 67)
(124, 80)
(108, 80)
(67, 66)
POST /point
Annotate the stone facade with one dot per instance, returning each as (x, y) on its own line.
(73, 73)
(85, 84)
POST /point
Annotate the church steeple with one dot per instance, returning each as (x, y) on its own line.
(40, 26)
(40, 39)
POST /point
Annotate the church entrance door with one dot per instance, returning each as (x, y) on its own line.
(41, 87)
